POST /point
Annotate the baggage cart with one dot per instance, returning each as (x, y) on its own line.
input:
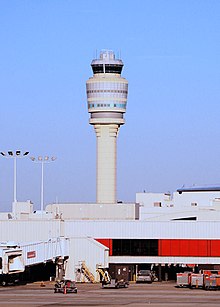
(212, 282)
(196, 280)
(183, 279)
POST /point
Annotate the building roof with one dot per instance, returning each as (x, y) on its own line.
(195, 188)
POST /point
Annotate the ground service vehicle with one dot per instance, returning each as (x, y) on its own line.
(114, 283)
(118, 280)
(65, 286)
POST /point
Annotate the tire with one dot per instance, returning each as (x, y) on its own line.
(4, 283)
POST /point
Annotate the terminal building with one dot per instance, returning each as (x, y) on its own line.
(163, 232)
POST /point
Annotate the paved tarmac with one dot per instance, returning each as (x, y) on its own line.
(163, 294)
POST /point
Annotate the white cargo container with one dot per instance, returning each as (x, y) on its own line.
(183, 279)
(196, 280)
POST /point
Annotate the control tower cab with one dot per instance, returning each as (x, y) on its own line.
(107, 97)
(107, 91)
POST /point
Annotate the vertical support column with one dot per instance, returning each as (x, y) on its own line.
(106, 162)
(159, 273)
(60, 272)
(15, 179)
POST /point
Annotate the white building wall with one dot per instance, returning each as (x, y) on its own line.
(150, 199)
(89, 251)
(189, 199)
(143, 229)
(124, 211)
(29, 230)
(158, 206)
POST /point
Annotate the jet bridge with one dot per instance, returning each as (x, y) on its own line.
(17, 258)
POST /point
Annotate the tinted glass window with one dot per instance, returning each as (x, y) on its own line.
(109, 68)
(135, 247)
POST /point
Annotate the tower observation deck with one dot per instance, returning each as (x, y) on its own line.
(107, 97)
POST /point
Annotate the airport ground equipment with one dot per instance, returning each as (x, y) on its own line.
(87, 273)
(65, 286)
(190, 279)
(206, 279)
(212, 282)
(196, 280)
(183, 279)
(109, 282)
(114, 283)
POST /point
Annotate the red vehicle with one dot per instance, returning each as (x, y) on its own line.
(212, 282)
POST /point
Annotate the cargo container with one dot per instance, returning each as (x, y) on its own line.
(196, 280)
(211, 272)
(212, 282)
(183, 279)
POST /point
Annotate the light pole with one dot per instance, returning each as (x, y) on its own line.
(14, 155)
(42, 160)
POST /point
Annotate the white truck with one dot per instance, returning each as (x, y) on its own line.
(11, 262)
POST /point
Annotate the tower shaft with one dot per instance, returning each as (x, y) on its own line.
(106, 162)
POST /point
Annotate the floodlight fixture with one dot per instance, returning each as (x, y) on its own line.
(14, 154)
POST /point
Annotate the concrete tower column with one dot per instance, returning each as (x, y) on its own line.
(106, 163)
(107, 98)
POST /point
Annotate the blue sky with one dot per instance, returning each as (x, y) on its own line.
(171, 55)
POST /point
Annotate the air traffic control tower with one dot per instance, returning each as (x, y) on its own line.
(107, 97)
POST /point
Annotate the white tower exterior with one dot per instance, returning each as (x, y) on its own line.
(107, 97)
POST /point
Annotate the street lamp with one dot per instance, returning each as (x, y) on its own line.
(14, 155)
(42, 160)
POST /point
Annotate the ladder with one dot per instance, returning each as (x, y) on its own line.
(85, 270)
(105, 277)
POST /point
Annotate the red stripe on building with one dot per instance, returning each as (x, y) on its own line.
(189, 248)
(107, 243)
